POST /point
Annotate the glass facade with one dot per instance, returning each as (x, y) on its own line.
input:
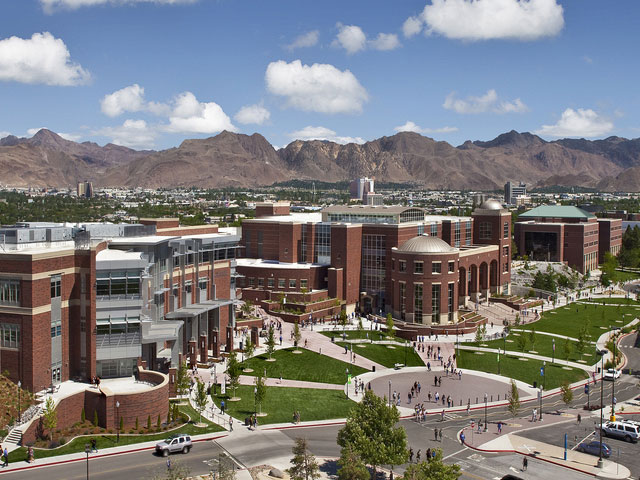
(434, 229)
(417, 302)
(457, 234)
(450, 300)
(322, 247)
(435, 303)
(117, 282)
(485, 230)
(373, 270)
(402, 294)
(9, 292)
(467, 233)
(302, 253)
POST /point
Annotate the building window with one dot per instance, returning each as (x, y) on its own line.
(271, 282)
(436, 267)
(467, 233)
(9, 335)
(505, 267)
(252, 281)
(418, 267)
(457, 234)
(56, 329)
(452, 266)
(451, 287)
(402, 265)
(56, 286)
(421, 229)
(402, 292)
(485, 230)
(260, 282)
(303, 283)
(117, 282)
(505, 251)
(187, 286)
(434, 229)
(322, 247)
(506, 230)
(292, 283)
(417, 303)
(281, 283)
(435, 303)
(9, 292)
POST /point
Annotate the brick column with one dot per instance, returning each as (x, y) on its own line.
(204, 351)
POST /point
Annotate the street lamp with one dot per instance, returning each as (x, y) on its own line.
(389, 393)
(405, 352)
(255, 400)
(553, 347)
(540, 398)
(485, 412)
(19, 401)
(347, 373)
(602, 353)
(118, 420)
(613, 382)
(87, 450)
(544, 375)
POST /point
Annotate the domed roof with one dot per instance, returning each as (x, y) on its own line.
(426, 244)
(491, 204)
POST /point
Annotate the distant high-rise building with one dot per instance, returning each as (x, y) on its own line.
(85, 189)
(371, 198)
(359, 187)
(512, 191)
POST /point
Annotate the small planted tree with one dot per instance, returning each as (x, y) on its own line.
(304, 465)
(200, 400)
(389, 324)
(260, 391)
(233, 372)
(517, 321)
(567, 347)
(522, 342)
(514, 399)
(296, 334)
(83, 416)
(182, 380)
(51, 416)
(567, 393)
(226, 468)
(532, 338)
(249, 348)
(351, 466)
(432, 469)
(271, 342)
(343, 320)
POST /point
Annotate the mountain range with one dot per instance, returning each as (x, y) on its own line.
(238, 160)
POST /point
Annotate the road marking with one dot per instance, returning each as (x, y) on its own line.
(454, 454)
(576, 445)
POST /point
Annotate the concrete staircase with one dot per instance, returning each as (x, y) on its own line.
(13, 440)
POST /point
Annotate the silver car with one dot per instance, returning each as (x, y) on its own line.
(175, 443)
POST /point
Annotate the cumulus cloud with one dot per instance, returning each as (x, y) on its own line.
(488, 19)
(318, 87)
(192, 116)
(489, 102)
(354, 40)
(50, 6)
(256, 114)
(41, 59)
(322, 133)
(305, 40)
(132, 133)
(410, 126)
(578, 123)
(130, 99)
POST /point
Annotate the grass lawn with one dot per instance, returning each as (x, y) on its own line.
(386, 356)
(568, 320)
(626, 276)
(307, 366)
(108, 441)
(544, 346)
(511, 367)
(613, 300)
(280, 403)
(374, 335)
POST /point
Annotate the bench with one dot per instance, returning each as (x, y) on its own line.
(398, 366)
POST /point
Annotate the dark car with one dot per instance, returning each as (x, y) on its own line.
(593, 448)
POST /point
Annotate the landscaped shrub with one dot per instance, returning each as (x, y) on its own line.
(95, 418)
(83, 416)
(159, 422)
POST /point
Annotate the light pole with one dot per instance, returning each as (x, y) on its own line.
(389, 393)
(485, 412)
(613, 381)
(347, 373)
(540, 398)
(255, 400)
(405, 352)
(19, 401)
(602, 353)
(544, 375)
(553, 347)
(87, 450)
(118, 420)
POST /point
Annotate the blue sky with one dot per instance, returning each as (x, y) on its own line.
(151, 73)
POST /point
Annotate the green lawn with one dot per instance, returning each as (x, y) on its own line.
(374, 335)
(307, 366)
(568, 320)
(108, 441)
(614, 300)
(543, 346)
(512, 367)
(621, 276)
(386, 356)
(280, 403)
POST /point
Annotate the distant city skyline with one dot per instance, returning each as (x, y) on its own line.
(151, 73)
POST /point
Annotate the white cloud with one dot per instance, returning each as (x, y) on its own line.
(385, 41)
(32, 131)
(50, 6)
(191, 116)
(587, 59)
(305, 40)
(72, 137)
(488, 19)
(351, 38)
(578, 123)
(318, 87)
(41, 59)
(410, 126)
(132, 133)
(130, 99)
(322, 133)
(256, 114)
(489, 102)
(4, 134)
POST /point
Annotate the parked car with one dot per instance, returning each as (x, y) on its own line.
(627, 431)
(611, 373)
(175, 443)
(593, 448)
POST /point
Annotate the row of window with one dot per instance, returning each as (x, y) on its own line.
(9, 335)
(282, 282)
(116, 326)
(9, 292)
(113, 283)
(418, 266)
(56, 329)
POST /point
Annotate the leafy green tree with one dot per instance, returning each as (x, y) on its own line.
(435, 469)
(249, 348)
(200, 399)
(50, 414)
(351, 466)
(522, 342)
(182, 379)
(260, 390)
(567, 393)
(297, 335)
(271, 341)
(233, 372)
(389, 324)
(304, 465)
(517, 320)
(567, 347)
(532, 338)
(343, 319)
(514, 399)
(95, 418)
(371, 432)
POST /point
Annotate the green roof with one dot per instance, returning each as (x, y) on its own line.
(557, 211)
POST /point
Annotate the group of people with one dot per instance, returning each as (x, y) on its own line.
(296, 417)
(5, 456)
(430, 454)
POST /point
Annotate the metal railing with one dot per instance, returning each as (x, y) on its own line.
(118, 340)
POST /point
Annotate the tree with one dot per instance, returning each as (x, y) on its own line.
(435, 469)
(522, 342)
(233, 371)
(583, 338)
(304, 463)
(226, 468)
(296, 334)
(351, 465)
(249, 348)
(389, 324)
(371, 432)
(567, 347)
(517, 321)
(271, 341)
(532, 338)
(260, 390)
(567, 393)
(201, 398)
(246, 307)
(343, 319)
(50, 416)
(178, 471)
(182, 379)
(514, 399)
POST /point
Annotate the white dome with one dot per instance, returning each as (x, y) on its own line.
(491, 204)
(426, 244)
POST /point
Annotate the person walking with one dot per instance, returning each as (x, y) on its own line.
(525, 464)
(230, 423)
(435, 434)
(410, 455)
(440, 435)
(6, 457)
(168, 464)
(462, 437)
